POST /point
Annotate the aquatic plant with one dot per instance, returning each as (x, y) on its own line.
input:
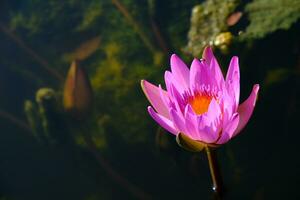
(118, 43)
(198, 102)
(199, 106)
(77, 92)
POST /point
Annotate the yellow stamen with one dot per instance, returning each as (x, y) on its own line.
(200, 103)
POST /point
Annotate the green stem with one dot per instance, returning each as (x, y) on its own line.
(214, 172)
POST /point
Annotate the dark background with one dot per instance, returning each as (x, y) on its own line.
(119, 43)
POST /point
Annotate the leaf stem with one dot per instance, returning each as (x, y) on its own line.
(214, 172)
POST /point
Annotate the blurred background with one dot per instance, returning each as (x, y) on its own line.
(100, 143)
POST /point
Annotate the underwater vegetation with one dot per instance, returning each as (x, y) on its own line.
(74, 121)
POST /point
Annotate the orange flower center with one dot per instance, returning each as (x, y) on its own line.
(200, 103)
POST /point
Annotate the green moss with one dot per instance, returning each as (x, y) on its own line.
(266, 17)
(207, 21)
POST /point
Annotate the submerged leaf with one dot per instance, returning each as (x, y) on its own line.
(84, 50)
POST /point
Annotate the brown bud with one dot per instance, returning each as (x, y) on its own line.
(234, 18)
(78, 94)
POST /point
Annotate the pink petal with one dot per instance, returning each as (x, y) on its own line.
(170, 80)
(177, 100)
(207, 135)
(195, 72)
(178, 121)
(213, 112)
(233, 79)
(164, 96)
(245, 110)
(206, 76)
(229, 129)
(232, 125)
(210, 124)
(217, 72)
(201, 75)
(212, 62)
(228, 104)
(161, 120)
(208, 54)
(154, 95)
(191, 123)
(180, 71)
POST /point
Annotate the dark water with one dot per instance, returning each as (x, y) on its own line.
(38, 41)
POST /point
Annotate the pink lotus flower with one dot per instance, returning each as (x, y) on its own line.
(199, 103)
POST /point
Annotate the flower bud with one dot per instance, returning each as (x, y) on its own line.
(78, 94)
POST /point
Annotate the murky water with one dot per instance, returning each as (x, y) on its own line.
(105, 145)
